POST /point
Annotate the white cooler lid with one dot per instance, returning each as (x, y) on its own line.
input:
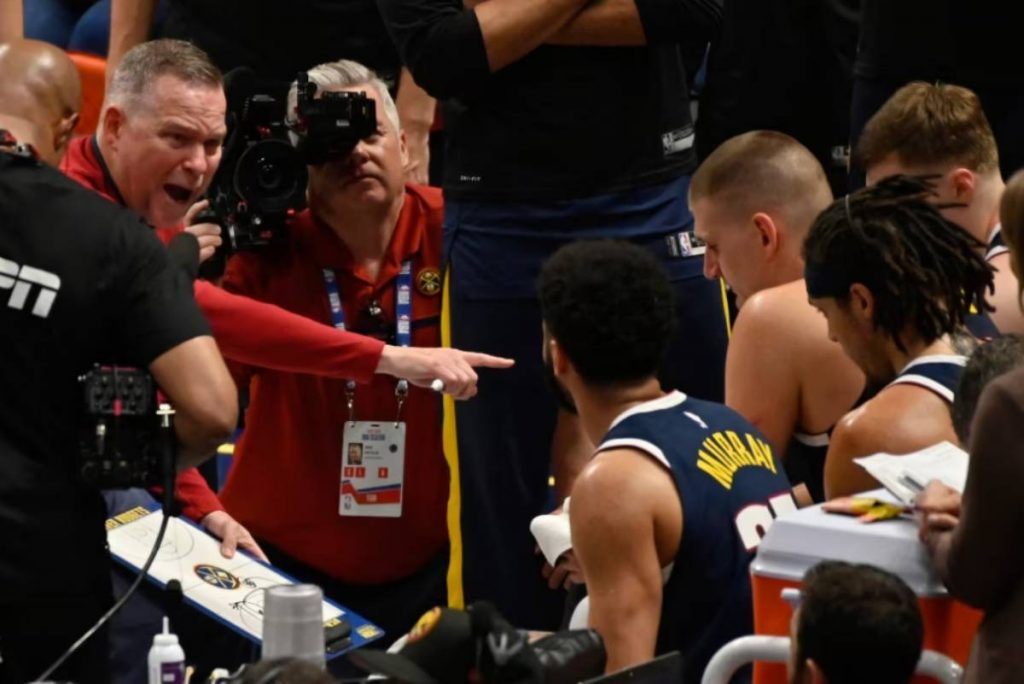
(797, 541)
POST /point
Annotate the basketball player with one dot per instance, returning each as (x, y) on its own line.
(894, 280)
(940, 130)
(753, 200)
(667, 514)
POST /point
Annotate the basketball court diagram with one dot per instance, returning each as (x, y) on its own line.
(231, 589)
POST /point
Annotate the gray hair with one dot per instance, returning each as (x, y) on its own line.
(346, 74)
(146, 62)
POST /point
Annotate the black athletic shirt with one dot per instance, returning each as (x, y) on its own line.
(279, 38)
(562, 122)
(781, 65)
(81, 281)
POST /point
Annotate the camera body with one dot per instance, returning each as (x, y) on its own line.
(262, 178)
(329, 127)
(119, 435)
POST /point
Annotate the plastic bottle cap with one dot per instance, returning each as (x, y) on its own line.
(165, 638)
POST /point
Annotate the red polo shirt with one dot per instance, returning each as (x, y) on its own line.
(246, 331)
(284, 483)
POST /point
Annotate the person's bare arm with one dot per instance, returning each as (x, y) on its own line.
(1007, 315)
(613, 23)
(130, 24)
(899, 420)
(12, 21)
(979, 559)
(416, 114)
(604, 22)
(197, 382)
(761, 383)
(850, 440)
(614, 537)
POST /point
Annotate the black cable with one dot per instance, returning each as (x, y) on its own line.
(165, 412)
(114, 608)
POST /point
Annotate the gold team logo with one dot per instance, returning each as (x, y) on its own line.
(218, 577)
(428, 281)
(425, 625)
(368, 631)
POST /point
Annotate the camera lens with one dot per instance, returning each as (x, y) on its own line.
(270, 176)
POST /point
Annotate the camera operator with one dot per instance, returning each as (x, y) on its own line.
(81, 281)
(366, 239)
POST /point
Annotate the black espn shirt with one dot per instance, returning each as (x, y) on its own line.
(81, 280)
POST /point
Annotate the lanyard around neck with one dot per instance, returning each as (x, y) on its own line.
(403, 324)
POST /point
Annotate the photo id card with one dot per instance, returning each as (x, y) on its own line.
(372, 469)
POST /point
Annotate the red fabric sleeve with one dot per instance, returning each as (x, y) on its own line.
(195, 496)
(266, 336)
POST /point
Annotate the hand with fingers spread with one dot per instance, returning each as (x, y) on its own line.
(231, 534)
(208, 234)
(422, 366)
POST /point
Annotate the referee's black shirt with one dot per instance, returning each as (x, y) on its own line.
(81, 281)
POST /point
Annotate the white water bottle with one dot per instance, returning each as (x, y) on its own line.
(166, 659)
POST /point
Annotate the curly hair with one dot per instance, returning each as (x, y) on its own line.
(922, 269)
(610, 306)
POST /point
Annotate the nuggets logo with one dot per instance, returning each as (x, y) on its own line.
(368, 631)
(425, 625)
(217, 577)
(723, 453)
(428, 281)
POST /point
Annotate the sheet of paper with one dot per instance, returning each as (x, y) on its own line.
(904, 475)
(229, 589)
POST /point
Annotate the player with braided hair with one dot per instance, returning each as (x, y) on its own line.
(895, 280)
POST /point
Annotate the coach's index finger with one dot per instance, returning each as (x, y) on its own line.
(478, 360)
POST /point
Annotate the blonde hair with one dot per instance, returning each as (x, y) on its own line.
(764, 170)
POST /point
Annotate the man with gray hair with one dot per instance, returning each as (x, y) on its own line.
(366, 256)
(157, 149)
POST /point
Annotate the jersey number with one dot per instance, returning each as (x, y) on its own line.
(754, 520)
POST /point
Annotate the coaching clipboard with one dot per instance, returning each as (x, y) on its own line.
(229, 590)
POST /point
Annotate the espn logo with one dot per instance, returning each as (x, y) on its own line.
(20, 279)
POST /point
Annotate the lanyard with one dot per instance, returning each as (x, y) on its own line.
(403, 327)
